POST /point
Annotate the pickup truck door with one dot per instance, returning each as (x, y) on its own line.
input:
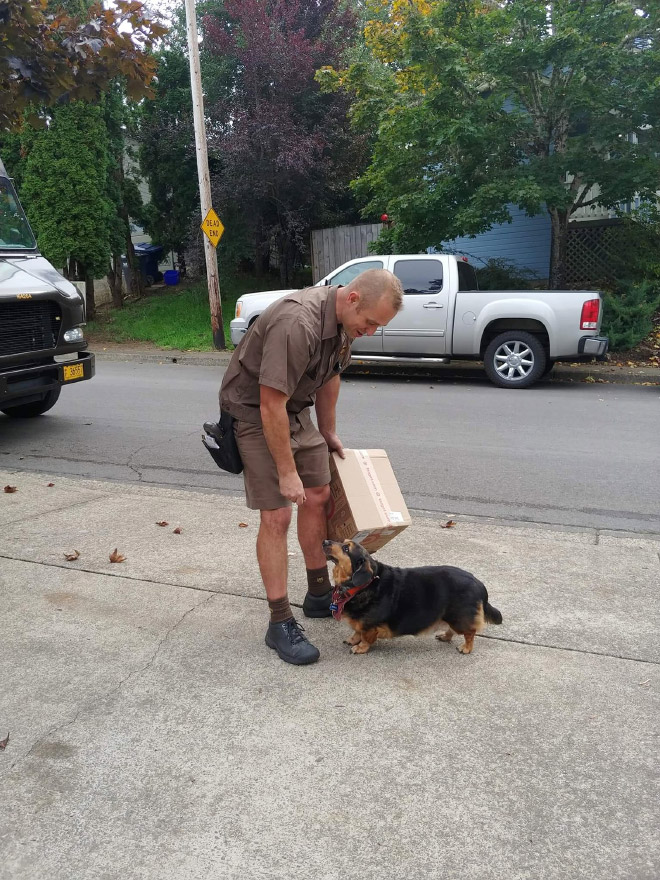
(420, 327)
(365, 344)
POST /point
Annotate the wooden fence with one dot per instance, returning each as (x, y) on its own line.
(332, 247)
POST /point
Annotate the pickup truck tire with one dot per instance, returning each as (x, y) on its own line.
(515, 359)
(36, 408)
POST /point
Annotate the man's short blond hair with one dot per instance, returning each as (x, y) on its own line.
(373, 284)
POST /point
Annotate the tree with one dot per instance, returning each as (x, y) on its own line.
(48, 56)
(283, 149)
(480, 104)
(167, 153)
(65, 193)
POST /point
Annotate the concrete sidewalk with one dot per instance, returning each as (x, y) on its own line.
(153, 735)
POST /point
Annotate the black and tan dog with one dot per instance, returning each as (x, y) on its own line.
(382, 602)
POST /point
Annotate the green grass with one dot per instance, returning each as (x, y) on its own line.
(176, 317)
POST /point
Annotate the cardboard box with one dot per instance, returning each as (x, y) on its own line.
(366, 504)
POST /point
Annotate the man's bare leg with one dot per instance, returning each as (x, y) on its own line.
(284, 635)
(312, 527)
(272, 552)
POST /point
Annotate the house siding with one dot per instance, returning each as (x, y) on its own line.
(525, 241)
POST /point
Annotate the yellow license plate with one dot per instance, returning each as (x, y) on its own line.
(73, 371)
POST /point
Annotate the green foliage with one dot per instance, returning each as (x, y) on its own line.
(167, 153)
(628, 313)
(634, 246)
(477, 105)
(71, 50)
(65, 188)
(501, 274)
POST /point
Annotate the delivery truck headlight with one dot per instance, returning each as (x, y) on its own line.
(75, 335)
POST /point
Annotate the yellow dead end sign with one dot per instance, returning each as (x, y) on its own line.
(212, 227)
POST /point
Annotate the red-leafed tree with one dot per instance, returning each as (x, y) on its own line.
(285, 152)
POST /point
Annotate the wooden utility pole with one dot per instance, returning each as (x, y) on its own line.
(203, 175)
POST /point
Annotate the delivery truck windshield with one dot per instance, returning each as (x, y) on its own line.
(15, 233)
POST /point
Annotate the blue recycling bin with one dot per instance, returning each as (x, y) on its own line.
(149, 255)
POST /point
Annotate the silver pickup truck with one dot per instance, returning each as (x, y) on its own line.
(518, 334)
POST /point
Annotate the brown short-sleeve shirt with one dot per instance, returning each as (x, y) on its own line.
(294, 346)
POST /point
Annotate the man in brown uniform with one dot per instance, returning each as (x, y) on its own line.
(289, 359)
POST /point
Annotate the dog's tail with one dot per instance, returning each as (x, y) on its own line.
(491, 613)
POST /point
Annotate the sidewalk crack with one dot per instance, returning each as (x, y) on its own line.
(113, 692)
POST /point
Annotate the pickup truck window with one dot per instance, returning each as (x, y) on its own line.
(350, 272)
(467, 277)
(419, 276)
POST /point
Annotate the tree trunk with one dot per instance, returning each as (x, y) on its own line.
(116, 282)
(135, 279)
(559, 221)
(261, 251)
(89, 296)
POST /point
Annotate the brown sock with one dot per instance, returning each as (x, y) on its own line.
(280, 610)
(318, 581)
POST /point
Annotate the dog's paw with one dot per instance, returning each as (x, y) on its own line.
(359, 649)
(445, 636)
(464, 649)
(355, 639)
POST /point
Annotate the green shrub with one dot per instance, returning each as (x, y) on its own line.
(628, 313)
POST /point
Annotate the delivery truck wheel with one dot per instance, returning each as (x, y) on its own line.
(515, 359)
(36, 408)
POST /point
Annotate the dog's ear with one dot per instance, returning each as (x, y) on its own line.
(362, 574)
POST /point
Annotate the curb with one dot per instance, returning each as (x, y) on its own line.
(602, 373)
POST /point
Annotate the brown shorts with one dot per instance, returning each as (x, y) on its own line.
(262, 484)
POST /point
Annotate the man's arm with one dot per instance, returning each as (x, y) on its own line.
(326, 406)
(275, 421)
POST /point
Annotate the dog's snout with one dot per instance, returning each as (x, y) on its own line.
(327, 544)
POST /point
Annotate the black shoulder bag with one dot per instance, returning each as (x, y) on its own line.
(219, 439)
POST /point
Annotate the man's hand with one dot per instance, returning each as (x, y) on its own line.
(292, 488)
(334, 443)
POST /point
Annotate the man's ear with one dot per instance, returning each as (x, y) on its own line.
(363, 574)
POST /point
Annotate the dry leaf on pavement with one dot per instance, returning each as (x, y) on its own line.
(162, 523)
(116, 557)
(448, 525)
(10, 489)
(177, 530)
(71, 557)
(50, 485)
(242, 525)
(3, 743)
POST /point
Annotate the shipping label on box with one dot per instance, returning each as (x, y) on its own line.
(366, 504)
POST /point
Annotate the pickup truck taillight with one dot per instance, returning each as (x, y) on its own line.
(589, 316)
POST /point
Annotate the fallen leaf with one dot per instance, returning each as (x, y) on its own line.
(50, 485)
(116, 557)
(589, 379)
(71, 557)
(10, 489)
(448, 525)
(162, 523)
(242, 525)
(3, 743)
(177, 530)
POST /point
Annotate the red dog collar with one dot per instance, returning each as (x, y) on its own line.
(340, 598)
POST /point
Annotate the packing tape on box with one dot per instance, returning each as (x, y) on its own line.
(387, 515)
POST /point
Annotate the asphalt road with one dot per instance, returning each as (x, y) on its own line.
(574, 455)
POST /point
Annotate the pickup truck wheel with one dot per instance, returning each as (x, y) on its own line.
(36, 408)
(515, 359)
